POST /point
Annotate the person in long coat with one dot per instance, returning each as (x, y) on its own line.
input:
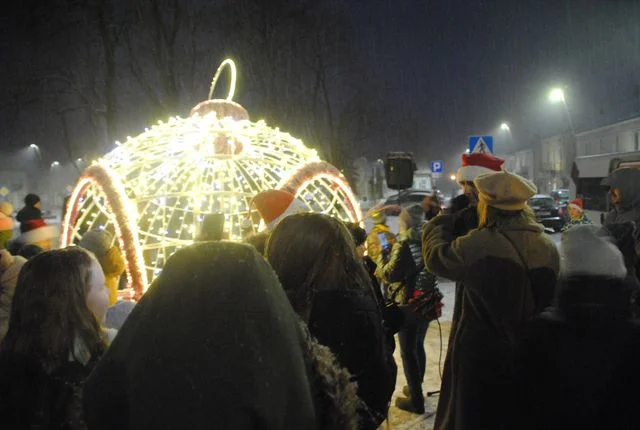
(214, 343)
(328, 286)
(509, 270)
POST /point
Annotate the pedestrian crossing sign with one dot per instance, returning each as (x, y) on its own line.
(481, 144)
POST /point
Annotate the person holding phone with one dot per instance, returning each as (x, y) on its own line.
(380, 240)
(413, 283)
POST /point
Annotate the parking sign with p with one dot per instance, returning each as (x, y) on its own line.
(437, 166)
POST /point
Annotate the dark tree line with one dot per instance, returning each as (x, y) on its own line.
(81, 74)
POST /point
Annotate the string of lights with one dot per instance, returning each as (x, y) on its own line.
(173, 174)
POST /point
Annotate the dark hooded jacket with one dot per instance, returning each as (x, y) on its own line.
(214, 343)
(349, 322)
(628, 212)
(502, 290)
(577, 362)
(628, 181)
(406, 269)
(31, 398)
(27, 213)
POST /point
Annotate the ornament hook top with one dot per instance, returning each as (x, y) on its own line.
(232, 81)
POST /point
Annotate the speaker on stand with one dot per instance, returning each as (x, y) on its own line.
(399, 169)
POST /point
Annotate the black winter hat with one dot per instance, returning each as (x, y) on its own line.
(31, 199)
(358, 233)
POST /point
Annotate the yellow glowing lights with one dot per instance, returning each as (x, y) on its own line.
(174, 173)
(232, 84)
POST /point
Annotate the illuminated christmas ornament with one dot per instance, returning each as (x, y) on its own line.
(153, 190)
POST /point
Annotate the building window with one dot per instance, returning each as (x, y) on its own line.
(637, 140)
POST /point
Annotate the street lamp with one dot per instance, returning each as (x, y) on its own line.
(556, 95)
(36, 148)
(452, 177)
(504, 127)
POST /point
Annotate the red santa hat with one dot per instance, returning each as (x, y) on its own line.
(36, 230)
(476, 164)
(274, 205)
(576, 204)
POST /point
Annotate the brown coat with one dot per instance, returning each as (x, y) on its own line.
(497, 296)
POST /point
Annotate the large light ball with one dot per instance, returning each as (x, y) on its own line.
(153, 190)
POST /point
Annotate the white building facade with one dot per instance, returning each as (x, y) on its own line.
(623, 136)
(522, 163)
(557, 154)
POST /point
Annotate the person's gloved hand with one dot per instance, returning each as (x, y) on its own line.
(459, 203)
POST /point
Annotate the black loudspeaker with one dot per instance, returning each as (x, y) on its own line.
(399, 168)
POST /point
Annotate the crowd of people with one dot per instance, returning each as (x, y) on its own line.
(295, 328)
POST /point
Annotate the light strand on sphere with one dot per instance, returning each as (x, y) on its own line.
(300, 178)
(178, 171)
(232, 81)
(106, 185)
(73, 208)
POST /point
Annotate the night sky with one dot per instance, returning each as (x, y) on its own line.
(461, 67)
(452, 68)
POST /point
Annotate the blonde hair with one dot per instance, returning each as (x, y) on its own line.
(489, 216)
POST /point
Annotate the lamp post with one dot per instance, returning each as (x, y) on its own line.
(504, 128)
(556, 95)
(36, 148)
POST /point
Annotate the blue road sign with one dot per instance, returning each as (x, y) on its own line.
(437, 166)
(481, 144)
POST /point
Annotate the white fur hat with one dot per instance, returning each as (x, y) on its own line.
(587, 250)
(37, 230)
(474, 165)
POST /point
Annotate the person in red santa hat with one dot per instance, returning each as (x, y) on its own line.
(576, 215)
(461, 218)
(474, 165)
(274, 205)
(464, 206)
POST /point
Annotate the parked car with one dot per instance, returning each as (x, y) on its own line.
(547, 212)
(561, 197)
(410, 197)
(407, 197)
